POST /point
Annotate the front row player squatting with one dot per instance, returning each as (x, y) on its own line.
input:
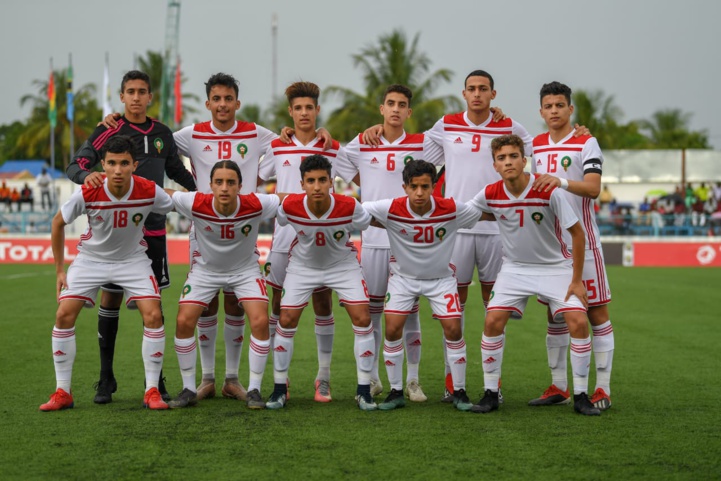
(111, 250)
(536, 262)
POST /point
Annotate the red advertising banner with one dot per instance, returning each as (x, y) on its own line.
(677, 254)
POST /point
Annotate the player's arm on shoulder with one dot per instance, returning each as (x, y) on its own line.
(372, 135)
(81, 169)
(163, 201)
(346, 162)
(182, 140)
(580, 130)
(111, 120)
(361, 217)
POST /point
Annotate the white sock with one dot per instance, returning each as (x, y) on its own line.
(603, 346)
(492, 359)
(272, 324)
(187, 352)
(207, 333)
(257, 358)
(233, 331)
(412, 341)
(457, 359)
(557, 341)
(282, 353)
(64, 350)
(580, 363)
(376, 310)
(393, 358)
(324, 333)
(445, 353)
(364, 350)
(153, 354)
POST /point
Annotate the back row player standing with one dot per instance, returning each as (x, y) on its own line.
(157, 155)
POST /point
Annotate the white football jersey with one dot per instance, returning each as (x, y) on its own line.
(283, 162)
(205, 145)
(467, 151)
(421, 246)
(531, 227)
(226, 243)
(572, 158)
(322, 242)
(381, 171)
(115, 226)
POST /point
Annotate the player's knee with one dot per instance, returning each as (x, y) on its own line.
(361, 319)
(453, 332)
(287, 319)
(495, 323)
(394, 331)
(598, 315)
(64, 318)
(577, 323)
(153, 319)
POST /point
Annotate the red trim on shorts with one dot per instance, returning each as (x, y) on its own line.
(505, 308)
(435, 316)
(301, 306)
(354, 303)
(252, 299)
(274, 286)
(141, 298)
(77, 298)
(541, 302)
(567, 309)
(203, 304)
(600, 303)
(321, 289)
(464, 284)
(400, 313)
(488, 283)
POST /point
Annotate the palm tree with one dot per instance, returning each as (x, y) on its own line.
(34, 141)
(669, 129)
(602, 116)
(391, 60)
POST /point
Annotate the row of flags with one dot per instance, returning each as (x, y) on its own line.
(107, 104)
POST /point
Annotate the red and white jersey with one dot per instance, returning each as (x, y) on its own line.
(381, 171)
(226, 243)
(283, 162)
(324, 241)
(531, 227)
(205, 145)
(115, 226)
(467, 150)
(572, 158)
(421, 246)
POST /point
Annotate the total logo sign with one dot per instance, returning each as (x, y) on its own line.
(707, 254)
(668, 254)
(33, 251)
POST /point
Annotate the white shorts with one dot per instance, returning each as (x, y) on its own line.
(201, 286)
(484, 251)
(594, 278)
(442, 294)
(511, 292)
(375, 264)
(345, 278)
(85, 277)
(277, 263)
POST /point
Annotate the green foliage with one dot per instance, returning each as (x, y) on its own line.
(393, 59)
(669, 129)
(663, 423)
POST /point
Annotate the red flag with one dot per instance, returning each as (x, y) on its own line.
(52, 108)
(178, 96)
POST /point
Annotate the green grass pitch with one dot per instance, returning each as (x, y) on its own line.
(665, 422)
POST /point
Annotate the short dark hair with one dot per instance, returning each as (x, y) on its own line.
(135, 75)
(118, 144)
(416, 168)
(479, 73)
(315, 162)
(302, 89)
(221, 79)
(556, 88)
(504, 140)
(400, 89)
(227, 164)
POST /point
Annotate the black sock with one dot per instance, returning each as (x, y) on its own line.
(280, 388)
(363, 389)
(107, 333)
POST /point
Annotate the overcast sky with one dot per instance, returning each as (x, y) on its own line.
(649, 55)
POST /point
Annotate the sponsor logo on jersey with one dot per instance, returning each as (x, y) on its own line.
(286, 163)
(207, 148)
(374, 161)
(338, 235)
(367, 354)
(301, 233)
(404, 232)
(538, 162)
(566, 163)
(440, 233)
(537, 217)
(157, 355)
(186, 290)
(460, 361)
(489, 360)
(59, 353)
(407, 159)
(158, 143)
(246, 229)
(208, 229)
(242, 150)
(99, 218)
(503, 217)
(458, 141)
(137, 218)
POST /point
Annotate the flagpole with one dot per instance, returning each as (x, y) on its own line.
(70, 109)
(52, 124)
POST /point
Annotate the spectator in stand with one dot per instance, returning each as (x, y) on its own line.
(702, 192)
(31, 228)
(5, 195)
(26, 196)
(605, 197)
(643, 211)
(717, 193)
(15, 197)
(44, 180)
